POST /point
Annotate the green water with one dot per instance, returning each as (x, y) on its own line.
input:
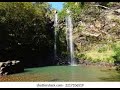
(65, 74)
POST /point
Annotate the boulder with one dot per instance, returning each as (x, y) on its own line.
(8, 63)
(13, 62)
(2, 64)
(18, 67)
(11, 67)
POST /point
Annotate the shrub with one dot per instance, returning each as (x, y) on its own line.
(116, 49)
(104, 55)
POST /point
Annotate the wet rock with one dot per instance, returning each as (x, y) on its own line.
(8, 63)
(11, 67)
(81, 61)
(2, 64)
(13, 62)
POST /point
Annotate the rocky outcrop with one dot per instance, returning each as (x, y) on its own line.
(11, 67)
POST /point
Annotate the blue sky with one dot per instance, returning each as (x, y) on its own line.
(57, 5)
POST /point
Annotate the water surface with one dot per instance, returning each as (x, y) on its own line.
(64, 74)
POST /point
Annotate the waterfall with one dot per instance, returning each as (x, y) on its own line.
(55, 34)
(69, 37)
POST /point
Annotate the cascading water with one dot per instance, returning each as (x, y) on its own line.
(69, 37)
(55, 34)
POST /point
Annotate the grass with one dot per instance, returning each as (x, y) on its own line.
(109, 52)
(95, 56)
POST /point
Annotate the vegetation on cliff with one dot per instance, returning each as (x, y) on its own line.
(96, 30)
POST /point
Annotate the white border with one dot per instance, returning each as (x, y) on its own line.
(59, 84)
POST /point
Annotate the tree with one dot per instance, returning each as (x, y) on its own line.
(29, 31)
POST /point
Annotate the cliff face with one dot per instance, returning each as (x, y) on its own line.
(97, 29)
(106, 26)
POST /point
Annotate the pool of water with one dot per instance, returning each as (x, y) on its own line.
(64, 74)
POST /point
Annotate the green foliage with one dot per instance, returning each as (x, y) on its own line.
(113, 4)
(74, 7)
(117, 51)
(106, 53)
(28, 29)
(80, 55)
(96, 56)
(102, 49)
(61, 43)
